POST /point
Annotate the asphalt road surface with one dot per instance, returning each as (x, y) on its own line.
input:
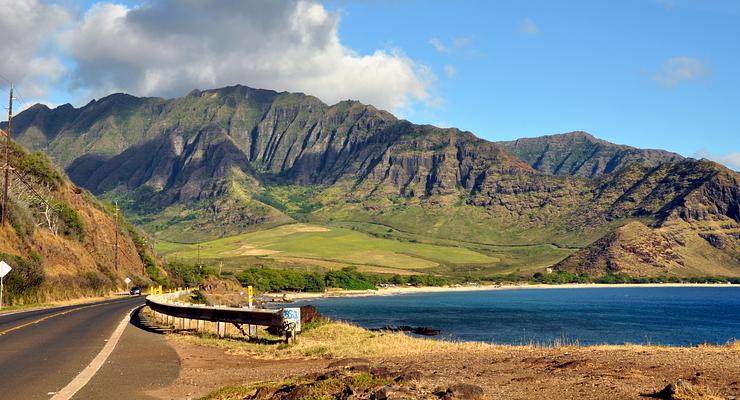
(41, 351)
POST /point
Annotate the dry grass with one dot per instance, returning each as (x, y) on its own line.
(693, 392)
(733, 345)
(336, 340)
(343, 340)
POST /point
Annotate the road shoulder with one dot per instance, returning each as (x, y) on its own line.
(142, 362)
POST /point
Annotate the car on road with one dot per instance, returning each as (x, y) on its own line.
(135, 291)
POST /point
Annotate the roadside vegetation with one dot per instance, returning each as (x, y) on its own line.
(348, 278)
(331, 339)
(562, 277)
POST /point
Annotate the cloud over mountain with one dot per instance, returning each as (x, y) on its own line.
(26, 28)
(167, 48)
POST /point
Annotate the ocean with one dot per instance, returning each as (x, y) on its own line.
(674, 316)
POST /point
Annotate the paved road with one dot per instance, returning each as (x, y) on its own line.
(42, 351)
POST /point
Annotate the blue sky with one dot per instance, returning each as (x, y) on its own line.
(582, 65)
(648, 73)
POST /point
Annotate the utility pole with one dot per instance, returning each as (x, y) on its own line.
(115, 262)
(199, 256)
(7, 156)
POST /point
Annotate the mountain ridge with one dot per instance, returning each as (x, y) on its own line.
(579, 153)
(222, 161)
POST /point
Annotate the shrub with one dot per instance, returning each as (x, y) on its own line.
(38, 165)
(190, 274)
(197, 297)
(271, 280)
(348, 278)
(72, 225)
(21, 219)
(23, 283)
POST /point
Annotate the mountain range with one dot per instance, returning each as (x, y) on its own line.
(220, 162)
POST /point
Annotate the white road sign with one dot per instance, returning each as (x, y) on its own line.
(4, 268)
(127, 280)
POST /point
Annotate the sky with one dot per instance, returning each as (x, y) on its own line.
(647, 73)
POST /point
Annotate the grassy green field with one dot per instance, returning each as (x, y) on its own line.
(307, 244)
(310, 246)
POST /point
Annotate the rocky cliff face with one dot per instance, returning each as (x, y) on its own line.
(580, 154)
(190, 147)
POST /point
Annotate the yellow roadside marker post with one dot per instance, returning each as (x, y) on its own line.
(160, 289)
(251, 329)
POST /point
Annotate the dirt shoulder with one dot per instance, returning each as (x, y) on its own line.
(405, 367)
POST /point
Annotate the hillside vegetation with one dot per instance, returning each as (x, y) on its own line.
(59, 239)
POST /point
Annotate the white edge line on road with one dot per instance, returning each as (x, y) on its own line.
(86, 374)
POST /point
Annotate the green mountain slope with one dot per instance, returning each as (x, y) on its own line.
(580, 154)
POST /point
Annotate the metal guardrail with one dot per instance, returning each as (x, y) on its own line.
(285, 319)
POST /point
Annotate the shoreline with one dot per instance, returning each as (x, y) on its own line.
(292, 296)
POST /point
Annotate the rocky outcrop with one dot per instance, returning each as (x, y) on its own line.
(580, 154)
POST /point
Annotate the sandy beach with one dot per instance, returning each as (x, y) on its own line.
(397, 290)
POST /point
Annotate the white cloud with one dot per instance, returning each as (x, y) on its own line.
(528, 27)
(681, 69)
(28, 27)
(450, 71)
(168, 47)
(458, 44)
(439, 45)
(731, 160)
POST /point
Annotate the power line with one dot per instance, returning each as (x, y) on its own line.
(6, 167)
(24, 104)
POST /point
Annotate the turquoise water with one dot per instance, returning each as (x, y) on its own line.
(666, 316)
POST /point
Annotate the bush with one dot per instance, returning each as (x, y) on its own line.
(197, 297)
(348, 278)
(72, 225)
(190, 274)
(275, 280)
(560, 277)
(96, 281)
(153, 272)
(38, 165)
(23, 283)
(272, 280)
(21, 219)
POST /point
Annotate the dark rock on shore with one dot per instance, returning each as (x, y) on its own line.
(421, 330)
(464, 391)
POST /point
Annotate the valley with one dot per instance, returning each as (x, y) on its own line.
(236, 170)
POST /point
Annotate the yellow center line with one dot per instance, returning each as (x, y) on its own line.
(15, 328)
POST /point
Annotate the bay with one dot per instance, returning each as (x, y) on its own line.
(674, 316)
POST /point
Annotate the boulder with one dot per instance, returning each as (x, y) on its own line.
(464, 391)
